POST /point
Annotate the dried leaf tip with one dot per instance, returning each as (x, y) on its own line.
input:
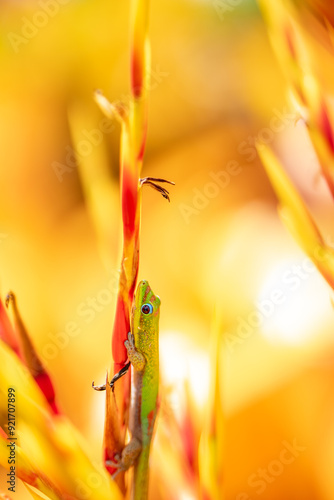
(110, 110)
(153, 182)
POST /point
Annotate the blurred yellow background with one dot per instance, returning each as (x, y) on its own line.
(215, 88)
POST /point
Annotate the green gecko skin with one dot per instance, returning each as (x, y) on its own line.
(143, 352)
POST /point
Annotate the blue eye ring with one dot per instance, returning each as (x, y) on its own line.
(147, 309)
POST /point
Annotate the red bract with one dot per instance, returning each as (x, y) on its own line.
(6, 331)
(26, 351)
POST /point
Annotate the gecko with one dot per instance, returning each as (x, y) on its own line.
(143, 353)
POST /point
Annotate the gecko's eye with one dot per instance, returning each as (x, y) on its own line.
(147, 308)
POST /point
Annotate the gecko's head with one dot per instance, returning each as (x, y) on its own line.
(146, 303)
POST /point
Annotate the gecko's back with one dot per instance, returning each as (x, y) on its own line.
(145, 387)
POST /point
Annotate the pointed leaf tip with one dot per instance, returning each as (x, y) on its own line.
(30, 356)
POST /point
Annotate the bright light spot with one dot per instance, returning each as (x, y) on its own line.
(181, 361)
(199, 376)
(185, 495)
(173, 352)
(292, 299)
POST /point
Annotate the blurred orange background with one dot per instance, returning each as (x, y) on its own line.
(215, 88)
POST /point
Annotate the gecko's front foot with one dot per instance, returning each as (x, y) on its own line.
(153, 182)
(135, 357)
(130, 344)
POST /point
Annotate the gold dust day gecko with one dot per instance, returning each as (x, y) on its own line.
(143, 353)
